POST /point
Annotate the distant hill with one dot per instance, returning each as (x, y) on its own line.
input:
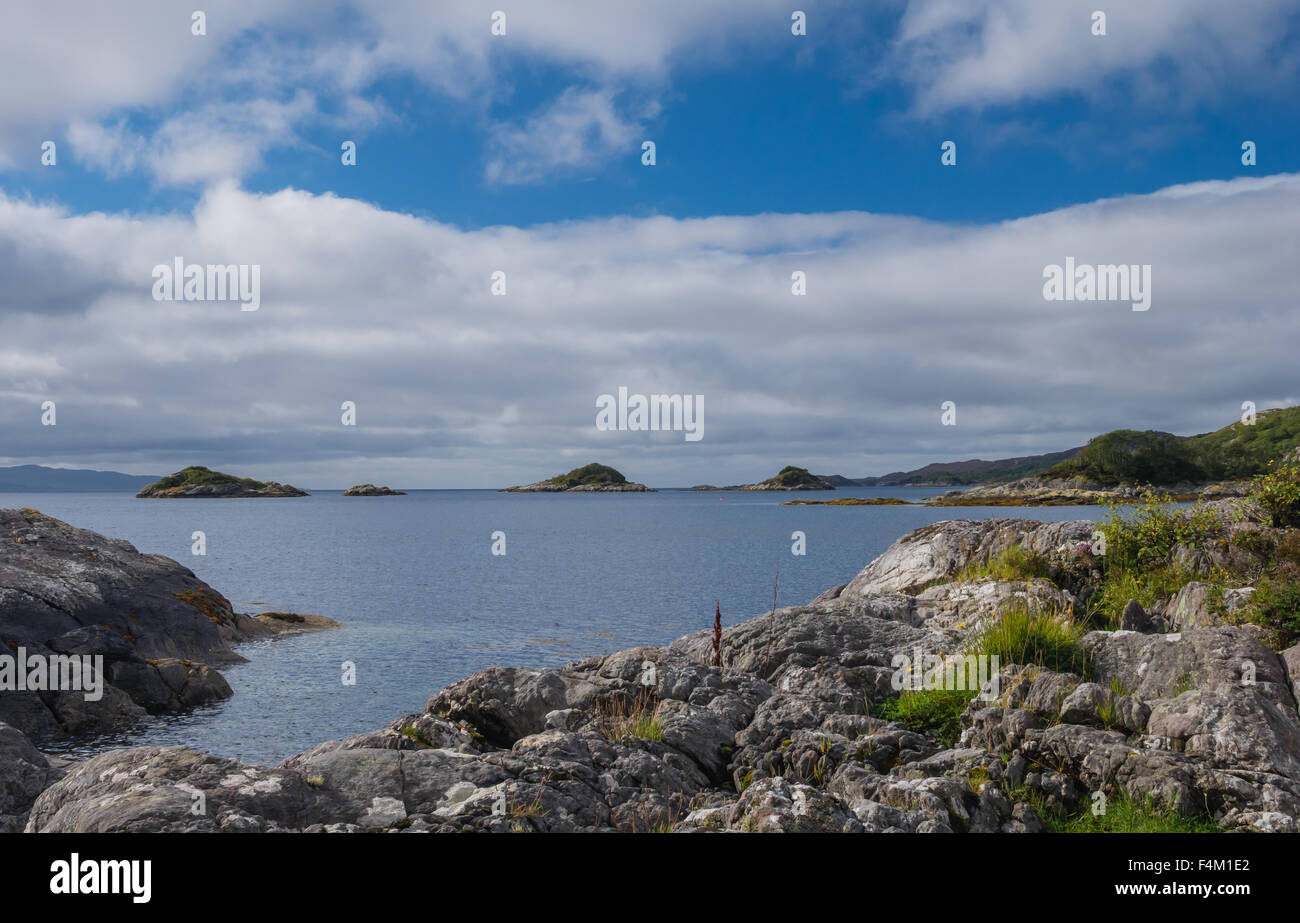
(40, 479)
(1127, 456)
(957, 474)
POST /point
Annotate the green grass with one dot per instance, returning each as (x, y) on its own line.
(1120, 585)
(1033, 638)
(934, 712)
(1140, 543)
(1127, 815)
(1014, 563)
(620, 717)
(1275, 605)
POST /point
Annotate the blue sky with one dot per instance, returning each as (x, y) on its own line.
(800, 126)
(522, 152)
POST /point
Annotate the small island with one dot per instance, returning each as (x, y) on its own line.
(197, 481)
(593, 478)
(850, 501)
(788, 478)
(370, 490)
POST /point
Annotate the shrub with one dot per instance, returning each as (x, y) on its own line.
(1278, 493)
(1145, 534)
(1275, 605)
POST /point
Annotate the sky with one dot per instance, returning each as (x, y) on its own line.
(128, 141)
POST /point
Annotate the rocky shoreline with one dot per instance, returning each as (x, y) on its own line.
(1042, 491)
(1184, 707)
(152, 632)
(1038, 491)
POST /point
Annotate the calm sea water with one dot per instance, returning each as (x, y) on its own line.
(425, 602)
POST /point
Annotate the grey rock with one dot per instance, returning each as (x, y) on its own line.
(940, 551)
(159, 629)
(1291, 663)
(24, 774)
(1135, 618)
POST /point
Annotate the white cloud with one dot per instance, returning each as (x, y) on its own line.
(76, 70)
(87, 71)
(981, 53)
(394, 312)
(577, 130)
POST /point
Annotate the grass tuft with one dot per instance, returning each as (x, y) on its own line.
(1033, 639)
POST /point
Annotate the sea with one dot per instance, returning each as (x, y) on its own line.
(424, 600)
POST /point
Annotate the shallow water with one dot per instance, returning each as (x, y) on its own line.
(425, 602)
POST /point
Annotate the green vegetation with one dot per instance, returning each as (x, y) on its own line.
(1277, 491)
(1275, 605)
(790, 476)
(1127, 456)
(1240, 451)
(197, 475)
(1014, 563)
(1142, 536)
(1123, 815)
(936, 712)
(1019, 636)
(589, 475)
(619, 717)
(1141, 543)
(1033, 639)
(1120, 585)
(1134, 457)
(975, 471)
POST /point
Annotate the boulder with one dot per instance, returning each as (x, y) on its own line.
(24, 774)
(942, 550)
(160, 630)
